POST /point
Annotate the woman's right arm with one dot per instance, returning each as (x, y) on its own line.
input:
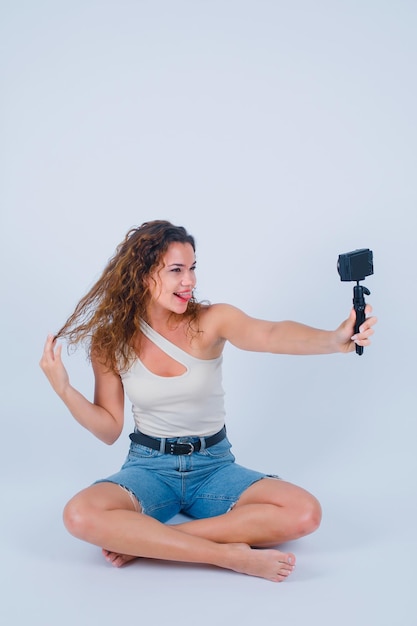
(103, 417)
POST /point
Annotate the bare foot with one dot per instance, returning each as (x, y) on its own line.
(117, 560)
(270, 564)
(264, 563)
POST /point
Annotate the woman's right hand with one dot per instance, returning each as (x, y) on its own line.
(53, 367)
(103, 417)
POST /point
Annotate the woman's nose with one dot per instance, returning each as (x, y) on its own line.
(188, 279)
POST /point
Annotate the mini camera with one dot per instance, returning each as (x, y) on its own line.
(355, 265)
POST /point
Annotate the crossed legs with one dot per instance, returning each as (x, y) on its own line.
(268, 513)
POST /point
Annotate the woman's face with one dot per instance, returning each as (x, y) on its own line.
(172, 284)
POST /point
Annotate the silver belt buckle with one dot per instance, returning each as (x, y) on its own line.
(188, 443)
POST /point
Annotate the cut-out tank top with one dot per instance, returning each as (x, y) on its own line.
(176, 406)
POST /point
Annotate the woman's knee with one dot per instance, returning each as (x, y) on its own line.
(84, 511)
(77, 517)
(309, 516)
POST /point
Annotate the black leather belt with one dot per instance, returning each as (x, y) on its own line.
(170, 447)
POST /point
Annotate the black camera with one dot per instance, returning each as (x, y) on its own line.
(355, 265)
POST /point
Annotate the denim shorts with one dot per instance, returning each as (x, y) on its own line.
(201, 485)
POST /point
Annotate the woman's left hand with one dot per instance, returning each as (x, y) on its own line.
(345, 334)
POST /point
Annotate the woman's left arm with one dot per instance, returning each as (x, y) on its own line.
(289, 337)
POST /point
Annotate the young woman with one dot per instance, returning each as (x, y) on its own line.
(148, 337)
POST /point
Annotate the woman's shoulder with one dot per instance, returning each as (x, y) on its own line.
(219, 309)
(214, 318)
(216, 310)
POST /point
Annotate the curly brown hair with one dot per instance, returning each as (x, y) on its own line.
(107, 318)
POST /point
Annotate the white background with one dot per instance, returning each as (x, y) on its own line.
(281, 134)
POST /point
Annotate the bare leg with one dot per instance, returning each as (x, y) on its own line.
(104, 515)
(268, 513)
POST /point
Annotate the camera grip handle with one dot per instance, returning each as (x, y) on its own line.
(359, 306)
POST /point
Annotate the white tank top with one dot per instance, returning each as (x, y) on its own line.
(176, 406)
